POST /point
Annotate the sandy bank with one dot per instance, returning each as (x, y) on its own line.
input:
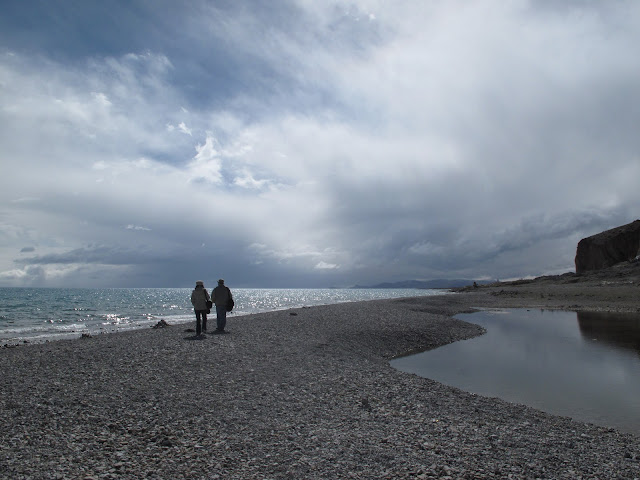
(309, 395)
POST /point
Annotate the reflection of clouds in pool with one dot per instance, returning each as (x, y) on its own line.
(541, 358)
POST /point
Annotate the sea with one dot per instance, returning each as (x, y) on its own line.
(35, 315)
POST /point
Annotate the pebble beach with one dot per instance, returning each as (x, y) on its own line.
(296, 394)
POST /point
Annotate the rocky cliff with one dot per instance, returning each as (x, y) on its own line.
(608, 248)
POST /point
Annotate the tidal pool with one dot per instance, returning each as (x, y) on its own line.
(582, 365)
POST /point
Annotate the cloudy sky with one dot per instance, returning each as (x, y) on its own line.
(312, 143)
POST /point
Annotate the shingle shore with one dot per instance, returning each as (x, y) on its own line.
(300, 394)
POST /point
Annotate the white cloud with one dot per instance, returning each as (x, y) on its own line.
(137, 227)
(184, 129)
(101, 99)
(13, 277)
(247, 181)
(207, 163)
(326, 266)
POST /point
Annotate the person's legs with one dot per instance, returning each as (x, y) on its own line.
(198, 325)
(204, 321)
(221, 313)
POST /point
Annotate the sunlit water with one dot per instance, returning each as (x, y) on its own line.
(45, 314)
(581, 365)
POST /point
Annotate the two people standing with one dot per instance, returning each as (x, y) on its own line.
(202, 303)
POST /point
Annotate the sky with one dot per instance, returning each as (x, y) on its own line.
(310, 143)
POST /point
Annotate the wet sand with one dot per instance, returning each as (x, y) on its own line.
(305, 393)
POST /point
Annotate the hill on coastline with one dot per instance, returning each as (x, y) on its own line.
(623, 274)
(422, 284)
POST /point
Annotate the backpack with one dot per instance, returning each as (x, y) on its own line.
(230, 302)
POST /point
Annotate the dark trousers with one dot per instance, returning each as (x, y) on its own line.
(200, 327)
(221, 313)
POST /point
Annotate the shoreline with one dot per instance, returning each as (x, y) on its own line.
(300, 393)
(51, 330)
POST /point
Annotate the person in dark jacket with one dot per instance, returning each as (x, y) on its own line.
(220, 296)
(199, 299)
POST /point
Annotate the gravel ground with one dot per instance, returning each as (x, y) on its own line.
(302, 394)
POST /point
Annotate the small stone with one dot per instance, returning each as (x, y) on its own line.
(166, 442)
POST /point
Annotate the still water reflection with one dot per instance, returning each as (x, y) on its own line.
(582, 365)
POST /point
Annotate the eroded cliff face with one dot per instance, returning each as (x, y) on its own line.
(605, 249)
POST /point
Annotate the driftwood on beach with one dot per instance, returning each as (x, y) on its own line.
(310, 395)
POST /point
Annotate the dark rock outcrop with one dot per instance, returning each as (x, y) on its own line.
(608, 248)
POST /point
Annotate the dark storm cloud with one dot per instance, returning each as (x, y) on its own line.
(103, 255)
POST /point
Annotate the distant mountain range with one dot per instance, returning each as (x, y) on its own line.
(439, 283)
